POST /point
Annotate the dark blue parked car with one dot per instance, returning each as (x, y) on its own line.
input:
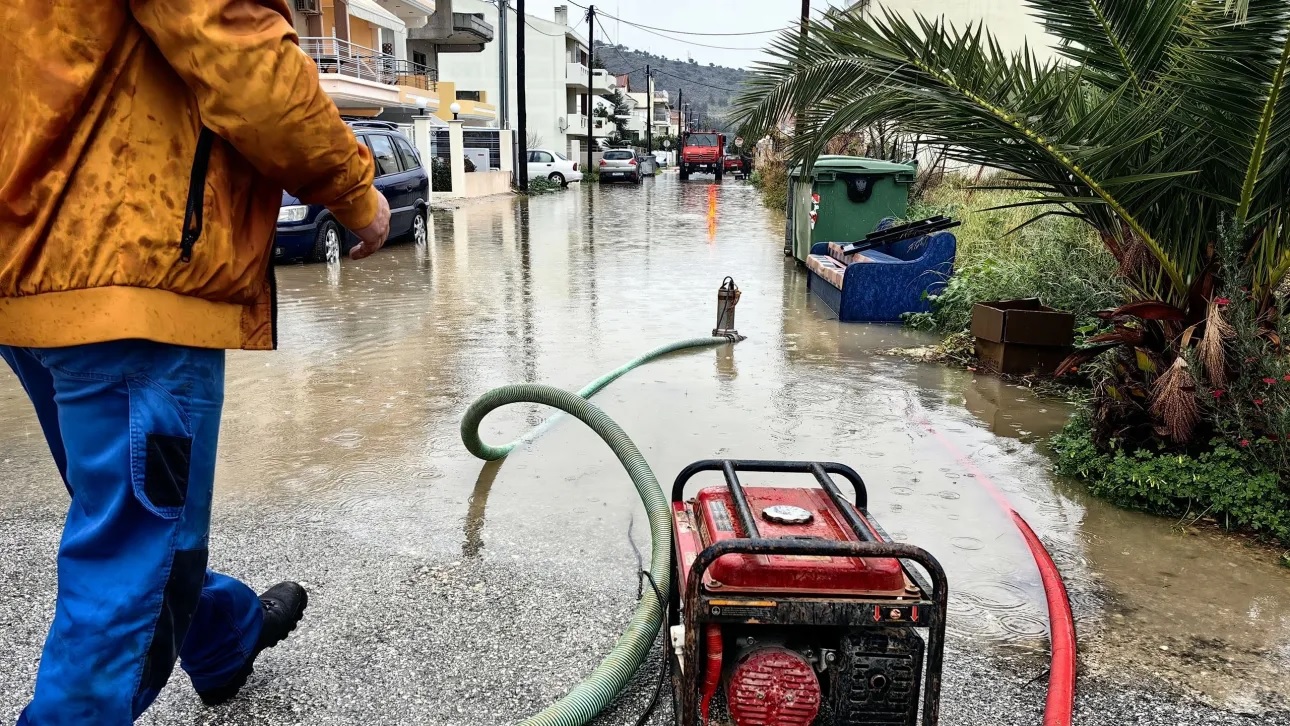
(306, 230)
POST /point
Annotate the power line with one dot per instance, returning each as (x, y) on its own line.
(685, 32)
(603, 29)
(542, 32)
(697, 83)
(644, 29)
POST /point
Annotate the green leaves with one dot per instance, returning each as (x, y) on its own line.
(1118, 42)
(1163, 118)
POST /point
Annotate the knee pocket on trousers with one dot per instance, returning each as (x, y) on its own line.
(161, 442)
(178, 605)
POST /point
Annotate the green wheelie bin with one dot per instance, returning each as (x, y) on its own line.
(842, 199)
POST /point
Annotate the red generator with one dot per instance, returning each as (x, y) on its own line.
(791, 607)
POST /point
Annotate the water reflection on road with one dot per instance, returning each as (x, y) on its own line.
(379, 359)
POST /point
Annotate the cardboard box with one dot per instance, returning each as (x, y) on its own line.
(1021, 336)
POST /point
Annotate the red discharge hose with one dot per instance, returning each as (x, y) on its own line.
(712, 671)
(1059, 709)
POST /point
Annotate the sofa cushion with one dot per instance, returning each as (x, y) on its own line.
(828, 269)
(874, 256)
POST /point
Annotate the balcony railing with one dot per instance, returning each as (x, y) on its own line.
(348, 59)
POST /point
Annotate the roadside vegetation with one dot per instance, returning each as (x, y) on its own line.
(542, 185)
(1162, 136)
(771, 179)
(1058, 259)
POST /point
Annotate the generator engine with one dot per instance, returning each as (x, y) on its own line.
(791, 607)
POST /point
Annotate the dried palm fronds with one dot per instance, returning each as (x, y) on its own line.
(1173, 403)
(1211, 350)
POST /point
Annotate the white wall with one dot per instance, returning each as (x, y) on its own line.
(1009, 20)
(545, 49)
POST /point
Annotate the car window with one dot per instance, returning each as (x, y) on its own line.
(618, 155)
(406, 153)
(387, 161)
(542, 157)
(560, 156)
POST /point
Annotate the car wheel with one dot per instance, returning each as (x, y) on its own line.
(558, 178)
(327, 242)
(420, 233)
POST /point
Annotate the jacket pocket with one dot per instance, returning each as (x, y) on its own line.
(161, 441)
(195, 208)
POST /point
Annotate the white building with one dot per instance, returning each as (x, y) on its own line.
(1009, 21)
(557, 76)
(379, 57)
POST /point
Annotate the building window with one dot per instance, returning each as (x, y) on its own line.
(420, 58)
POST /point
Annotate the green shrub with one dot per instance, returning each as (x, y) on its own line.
(440, 175)
(1232, 484)
(771, 178)
(1057, 259)
(542, 185)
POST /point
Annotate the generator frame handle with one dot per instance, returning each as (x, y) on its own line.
(731, 466)
(758, 546)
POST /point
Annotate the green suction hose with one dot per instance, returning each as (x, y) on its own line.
(493, 453)
(592, 695)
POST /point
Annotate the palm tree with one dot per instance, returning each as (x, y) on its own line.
(1164, 124)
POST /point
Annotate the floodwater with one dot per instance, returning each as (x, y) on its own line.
(354, 424)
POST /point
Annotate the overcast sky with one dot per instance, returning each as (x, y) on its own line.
(703, 16)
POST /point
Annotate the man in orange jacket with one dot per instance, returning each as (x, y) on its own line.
(146, 147)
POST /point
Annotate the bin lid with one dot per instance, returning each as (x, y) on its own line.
(855, 164)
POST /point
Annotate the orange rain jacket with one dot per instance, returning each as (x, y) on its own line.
(144, 147)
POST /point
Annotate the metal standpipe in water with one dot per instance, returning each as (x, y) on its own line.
(607, 680)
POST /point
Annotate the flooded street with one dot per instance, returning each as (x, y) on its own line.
(446, 592)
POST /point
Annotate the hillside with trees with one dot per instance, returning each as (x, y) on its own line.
(710, 89)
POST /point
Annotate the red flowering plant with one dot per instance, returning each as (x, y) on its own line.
(1246, 370)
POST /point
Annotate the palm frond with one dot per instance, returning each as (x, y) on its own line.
(1115, 41)
(959, 89)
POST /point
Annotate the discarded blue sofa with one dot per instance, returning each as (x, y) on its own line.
(882, 284)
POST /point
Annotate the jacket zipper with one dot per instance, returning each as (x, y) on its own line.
(196, 206)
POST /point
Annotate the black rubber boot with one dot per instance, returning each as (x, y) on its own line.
(284, 606)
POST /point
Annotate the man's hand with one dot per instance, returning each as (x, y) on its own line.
(373, 235)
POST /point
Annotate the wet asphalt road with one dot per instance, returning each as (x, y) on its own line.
(447, 593)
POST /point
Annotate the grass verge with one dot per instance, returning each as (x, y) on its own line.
(1000, 257)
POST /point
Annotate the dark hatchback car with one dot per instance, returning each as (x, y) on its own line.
(305, 231)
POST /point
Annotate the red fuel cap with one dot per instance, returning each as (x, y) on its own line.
(773, 687)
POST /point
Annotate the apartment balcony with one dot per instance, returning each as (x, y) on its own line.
(603, 81)
(413, 13)
(576, 76)
(455, 32)
(575, 124)
(473, 106)
(477, 112)
(361, 78)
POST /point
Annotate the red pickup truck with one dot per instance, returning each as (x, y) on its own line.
(702, 151)
(735, 164)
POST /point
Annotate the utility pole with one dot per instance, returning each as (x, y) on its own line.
(591, 81)
(680, 106)
(503, 65)
(649, 110)
(521, 100)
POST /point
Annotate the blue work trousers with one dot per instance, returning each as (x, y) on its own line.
(133, 427)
